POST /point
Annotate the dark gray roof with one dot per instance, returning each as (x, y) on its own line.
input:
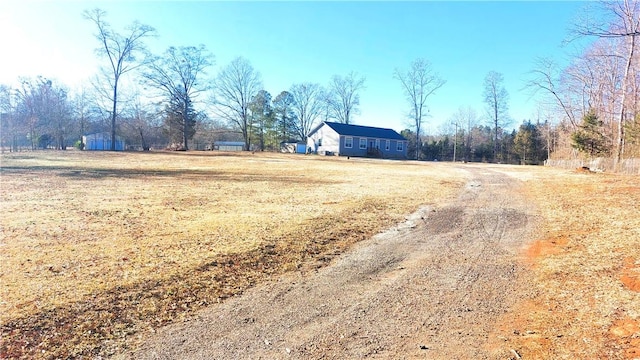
(364, 131)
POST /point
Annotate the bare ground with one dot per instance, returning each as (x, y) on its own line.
(433, 287)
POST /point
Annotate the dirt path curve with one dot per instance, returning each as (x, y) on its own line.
(430, 288)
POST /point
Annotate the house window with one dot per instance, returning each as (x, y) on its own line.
(363, 143)
(320, 142)
(400, 146)
(348, 142)
(387, 145)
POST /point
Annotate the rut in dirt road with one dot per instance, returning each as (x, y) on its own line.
(431, 288)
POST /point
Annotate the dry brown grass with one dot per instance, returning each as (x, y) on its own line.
(99, 248)
(585, 265)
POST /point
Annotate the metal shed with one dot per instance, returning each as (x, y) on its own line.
(293, 147)
(102, 141)
(228, 145)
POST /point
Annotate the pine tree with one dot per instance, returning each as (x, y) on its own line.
(180, 122)
(528, 144)
(589, 138)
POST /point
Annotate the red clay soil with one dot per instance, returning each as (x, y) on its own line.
(631, 274)
(624, 332)
(545, 247)
(549, 324)
(626, 329)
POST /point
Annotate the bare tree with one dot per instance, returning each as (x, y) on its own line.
(308, 106)
(120, 51)
(177, 76)
(605, 85)
(467, 119)
(343, 98)
(496, 98)
(84, 111)
(143, 120)
(418, 83)
(234, 88)
(26, 110)
(546, 77)
(61, 117)
(8, 124)
(622, 21)
(43, 109)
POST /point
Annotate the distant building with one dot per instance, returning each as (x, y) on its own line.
(102, 141)
(228, 145)
(331, 138)
(293, 147)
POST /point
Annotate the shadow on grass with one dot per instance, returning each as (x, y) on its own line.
(191, 174)
(83, 329)
(104, 324)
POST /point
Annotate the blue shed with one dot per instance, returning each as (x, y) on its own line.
(102, 141)
(293, 147)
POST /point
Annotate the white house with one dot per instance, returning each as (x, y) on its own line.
(331, 138)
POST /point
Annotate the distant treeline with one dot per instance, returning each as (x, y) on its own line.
(588, 109)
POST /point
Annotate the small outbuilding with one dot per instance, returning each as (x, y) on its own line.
(228, 145)
(330, 138)
(293, 147)
(102, 141)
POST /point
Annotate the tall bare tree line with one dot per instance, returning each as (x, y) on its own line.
(419, 82)
(172, 82)
(602, 82)
(604, 79)
(120, 52)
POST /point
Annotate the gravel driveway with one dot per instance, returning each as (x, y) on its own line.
(432, 287)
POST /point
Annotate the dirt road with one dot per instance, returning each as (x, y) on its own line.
(431, 288)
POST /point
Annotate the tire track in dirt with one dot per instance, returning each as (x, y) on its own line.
(430, 288)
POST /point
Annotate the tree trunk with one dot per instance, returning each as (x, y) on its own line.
(144, 143)
(82, 130)
(185, 120)
(246, 131)
(625, 81)
(418, 144)
(113, 115)
(495, 123)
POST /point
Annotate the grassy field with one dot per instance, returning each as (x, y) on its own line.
(586, 266)
(98, 249)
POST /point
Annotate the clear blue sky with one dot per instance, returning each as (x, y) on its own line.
(290, 42)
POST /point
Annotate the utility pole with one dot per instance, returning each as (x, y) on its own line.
(455, 141)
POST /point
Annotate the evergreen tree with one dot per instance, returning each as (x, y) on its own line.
(285, 116)
(589, 138)
(528, 144)
(632, 133)
(180, 122)
(262, 115)
(411, 142)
